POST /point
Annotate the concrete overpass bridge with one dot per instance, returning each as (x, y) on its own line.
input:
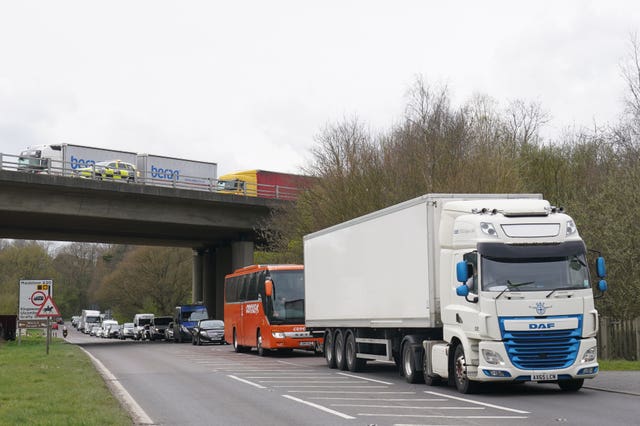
(220, 228)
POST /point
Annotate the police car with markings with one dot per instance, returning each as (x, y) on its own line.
(115, 169)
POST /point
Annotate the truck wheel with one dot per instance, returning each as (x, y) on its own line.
(339, 348)
(329, 349)
(354, 364)
(463, 384)
(408, 364)
(571, 385)
(429, 380)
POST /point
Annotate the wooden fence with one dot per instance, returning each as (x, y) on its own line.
(619, 339)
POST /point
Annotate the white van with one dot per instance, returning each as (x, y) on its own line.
(139, 322)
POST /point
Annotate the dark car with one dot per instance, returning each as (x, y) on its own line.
(208, 331)
(158, 327)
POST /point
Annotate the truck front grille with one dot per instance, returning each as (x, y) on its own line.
(542, 349)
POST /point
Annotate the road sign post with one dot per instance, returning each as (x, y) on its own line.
(33, 294)
(48, 309)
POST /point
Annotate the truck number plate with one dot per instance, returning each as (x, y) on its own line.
(544, 376)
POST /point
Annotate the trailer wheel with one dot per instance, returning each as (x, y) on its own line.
(329, 349)
(354, 364)
(339, 348)
(408, 364)
(463, 384)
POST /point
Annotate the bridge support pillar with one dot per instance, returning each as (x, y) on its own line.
(196, 286)
(216, 263)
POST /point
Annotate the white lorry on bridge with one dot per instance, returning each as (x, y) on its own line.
(64, 158)
(461, 289)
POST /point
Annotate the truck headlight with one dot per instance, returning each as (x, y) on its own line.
(488, 229)
(492, 357)
(278, 334)
(590, 354)
(571, 228)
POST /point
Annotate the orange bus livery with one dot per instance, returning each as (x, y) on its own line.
(264, 308)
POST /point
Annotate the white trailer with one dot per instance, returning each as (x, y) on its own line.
(88, 319)
(64, 158)
(464, 288)
(177, 172)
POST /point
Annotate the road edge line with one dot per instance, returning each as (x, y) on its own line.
(138, 415)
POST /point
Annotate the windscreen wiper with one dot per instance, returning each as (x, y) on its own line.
(511, 285)
(575, 287)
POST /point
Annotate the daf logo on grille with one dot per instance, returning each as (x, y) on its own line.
(540, 308)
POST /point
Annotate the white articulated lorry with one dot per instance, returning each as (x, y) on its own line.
(64, 158)
(457, 288)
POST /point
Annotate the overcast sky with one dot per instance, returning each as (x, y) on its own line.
(249, 84)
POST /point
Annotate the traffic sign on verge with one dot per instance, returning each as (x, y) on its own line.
(48, 309)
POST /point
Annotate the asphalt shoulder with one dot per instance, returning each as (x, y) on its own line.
(627, 382)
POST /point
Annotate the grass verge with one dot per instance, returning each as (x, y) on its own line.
(62, 388)
(618, 365)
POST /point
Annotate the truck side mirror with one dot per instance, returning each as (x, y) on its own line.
(601, 267)
(462, 290)
(268, 288)
(602, 286)
(462, 272)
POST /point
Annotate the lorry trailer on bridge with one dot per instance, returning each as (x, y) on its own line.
(64, 158)
(176, 172)
(458, 289)
(264, 184)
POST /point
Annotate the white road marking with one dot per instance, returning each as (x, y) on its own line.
(339, 387)
(353, 392)
(382, 399)
(366, 378)
(246, 381)
(499, 407)
(433, 416)
(319, 407)
(139, 416)
(407, 407)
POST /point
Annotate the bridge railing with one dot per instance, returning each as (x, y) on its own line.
(14, 163)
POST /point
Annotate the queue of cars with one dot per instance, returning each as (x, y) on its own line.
(146, 326)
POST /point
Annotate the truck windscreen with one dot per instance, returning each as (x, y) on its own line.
(533, 267)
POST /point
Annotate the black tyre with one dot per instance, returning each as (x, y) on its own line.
(463, 384)
(259, 348)
(409, 365)
(429, 380)
(354, 364)
(571, 385)
(329, 349)
(341, 363)
(198, 341)
(236, 347)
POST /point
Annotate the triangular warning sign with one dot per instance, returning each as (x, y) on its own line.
(48, 309)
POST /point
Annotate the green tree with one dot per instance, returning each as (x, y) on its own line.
(22, 260)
